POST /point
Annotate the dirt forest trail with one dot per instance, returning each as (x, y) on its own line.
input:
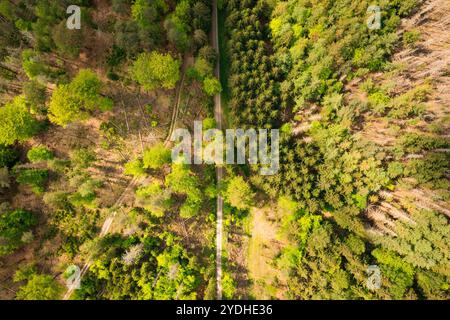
(105, 230)
(218, 114)
(176, 109)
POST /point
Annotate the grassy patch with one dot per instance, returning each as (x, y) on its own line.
(263, 249)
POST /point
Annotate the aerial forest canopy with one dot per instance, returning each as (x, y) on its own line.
(357, 90)
(316, 70)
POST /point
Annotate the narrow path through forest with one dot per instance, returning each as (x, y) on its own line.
(176, 109)
(219, 169)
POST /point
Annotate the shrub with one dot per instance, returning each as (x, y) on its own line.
(13, 224)
(156, 156)
(411, 37)
(156, 70)
(135, 168)
(40, 287)
(8, 156)
(16, 123)
(39, 153)
(77, 100)
(212, 86)
(36, 178)
(239, 193)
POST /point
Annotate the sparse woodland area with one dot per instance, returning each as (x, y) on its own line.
(84, 116)
(86, 173)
